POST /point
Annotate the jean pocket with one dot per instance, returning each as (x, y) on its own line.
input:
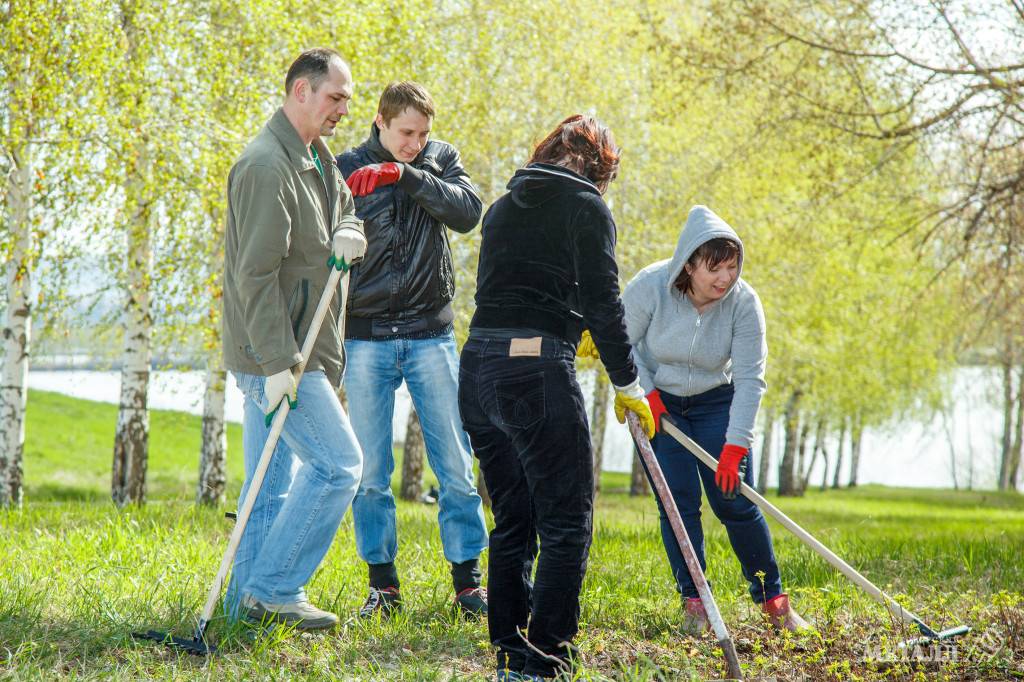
(521, 400)
(251, 387)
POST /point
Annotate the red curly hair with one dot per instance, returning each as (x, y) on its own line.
(583, 144)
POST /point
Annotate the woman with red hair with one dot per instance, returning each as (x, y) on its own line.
(547, 271)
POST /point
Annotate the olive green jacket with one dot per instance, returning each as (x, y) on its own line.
(281, 220)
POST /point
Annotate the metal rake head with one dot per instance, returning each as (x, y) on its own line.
(192, 645)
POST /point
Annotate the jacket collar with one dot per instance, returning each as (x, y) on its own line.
(289, 138)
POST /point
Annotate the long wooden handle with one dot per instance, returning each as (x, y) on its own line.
(849, 571)
(732, 661)
(268, 448)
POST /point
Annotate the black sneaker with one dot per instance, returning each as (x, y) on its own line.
(385, 601)
(472, 602)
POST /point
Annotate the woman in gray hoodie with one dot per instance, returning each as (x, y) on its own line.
(698, 333)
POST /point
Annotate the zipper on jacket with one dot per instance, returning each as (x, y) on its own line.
(689, 357)
(327, 203)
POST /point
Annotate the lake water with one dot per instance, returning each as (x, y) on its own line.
(911, 454)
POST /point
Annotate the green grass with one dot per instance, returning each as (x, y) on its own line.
(77, 576)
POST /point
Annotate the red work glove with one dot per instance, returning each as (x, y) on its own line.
(369, 178)
(657, 408)
(727, 475)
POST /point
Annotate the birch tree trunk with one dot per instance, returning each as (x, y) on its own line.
(856, 432)
(787, 467)
(213, 451)
(766, 451)
(131, 442)
(17, 330)
(839, 453)
(819, 446)
(1006, 456)
(1018, 439)
(598, 422)
(824, 474)
(638, 483)
(799, 476)
(411, 487)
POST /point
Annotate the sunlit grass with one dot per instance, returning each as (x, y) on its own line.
(78, 576)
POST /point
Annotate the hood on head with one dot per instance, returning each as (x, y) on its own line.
(538, 183)
(702, 225)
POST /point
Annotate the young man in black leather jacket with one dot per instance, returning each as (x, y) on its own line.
(410, 190)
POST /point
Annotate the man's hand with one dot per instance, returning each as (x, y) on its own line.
(349, 246)
(657, 408)
(727, 475)
(632, 398)
(368, 178)
(587, 349)
(278, 387)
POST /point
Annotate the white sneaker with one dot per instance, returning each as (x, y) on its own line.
(301, 614)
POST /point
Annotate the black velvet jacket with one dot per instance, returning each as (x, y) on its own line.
(547, 263)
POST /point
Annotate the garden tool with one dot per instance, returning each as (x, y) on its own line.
(732, 662)
(895, 610)
(198, 644)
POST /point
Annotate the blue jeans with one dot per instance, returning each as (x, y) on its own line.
(295, 518)
(528, 423)
(704, 418)
(430, 369)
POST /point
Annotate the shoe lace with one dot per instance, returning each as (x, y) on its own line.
(376, 596)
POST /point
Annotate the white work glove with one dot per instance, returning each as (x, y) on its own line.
(277, 387)
(349, 246)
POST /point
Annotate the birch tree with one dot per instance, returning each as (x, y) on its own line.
(149, 125)
(237, 85)
(50, 57)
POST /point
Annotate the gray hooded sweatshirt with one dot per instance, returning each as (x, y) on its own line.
(684, 353)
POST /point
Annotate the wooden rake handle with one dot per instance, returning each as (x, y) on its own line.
(650, 463)
(894, 608)
(276, 428)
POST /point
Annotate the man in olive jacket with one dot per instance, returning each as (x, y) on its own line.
(410, 190)
(289, 211)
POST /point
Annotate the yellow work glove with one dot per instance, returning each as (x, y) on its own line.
(632, 398)
(587, 349)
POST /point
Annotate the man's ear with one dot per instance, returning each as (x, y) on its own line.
(379, 120)
(301, 90)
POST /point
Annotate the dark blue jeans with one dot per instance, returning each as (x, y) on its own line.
(527, 423)
(704, 418)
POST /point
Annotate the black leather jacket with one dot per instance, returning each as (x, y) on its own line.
(405, 283)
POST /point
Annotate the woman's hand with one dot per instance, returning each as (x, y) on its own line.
(727, 475)
(632, 398)
(657, 408)
(587, 349)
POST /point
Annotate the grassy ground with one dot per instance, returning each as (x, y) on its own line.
(78, 576)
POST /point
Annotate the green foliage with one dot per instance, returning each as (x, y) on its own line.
(832, 221)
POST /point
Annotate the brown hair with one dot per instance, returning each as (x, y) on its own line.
(397, 97)
(583, 144)
(713, 252)
(312, 65)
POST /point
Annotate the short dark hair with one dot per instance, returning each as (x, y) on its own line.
(312, 65)
(397, 97)
(713, 252)
(586, 144)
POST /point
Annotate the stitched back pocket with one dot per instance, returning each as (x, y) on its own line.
(520, 400)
